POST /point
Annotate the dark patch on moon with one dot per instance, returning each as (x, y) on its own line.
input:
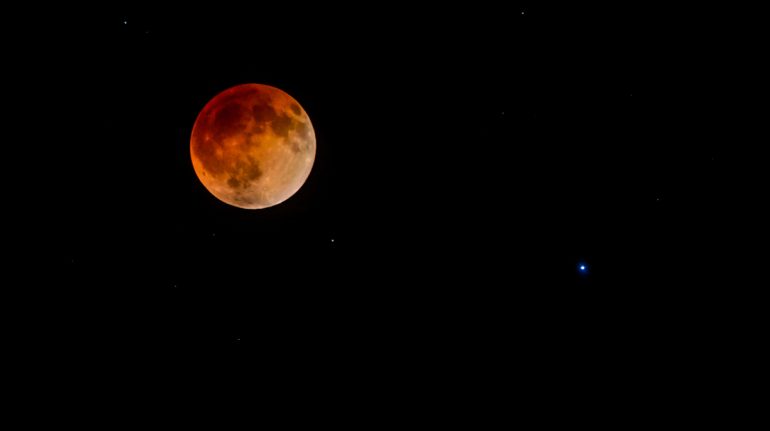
(234, 183)
(244, 172)
(263, 112)
(230, 120)
(283, 124)
(297, 110)
(303, 129)
(251, 169)
(295, 144)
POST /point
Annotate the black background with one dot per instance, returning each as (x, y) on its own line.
(468, 160)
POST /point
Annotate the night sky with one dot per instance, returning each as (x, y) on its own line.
(469, 162)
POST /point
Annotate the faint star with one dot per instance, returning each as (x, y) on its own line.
(332, 239)
(522, 12)
(125, 22)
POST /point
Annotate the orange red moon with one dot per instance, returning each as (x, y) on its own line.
(253, 146)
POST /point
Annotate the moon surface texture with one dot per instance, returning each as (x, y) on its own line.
(253, 146)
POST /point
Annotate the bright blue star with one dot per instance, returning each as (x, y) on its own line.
(582, 268)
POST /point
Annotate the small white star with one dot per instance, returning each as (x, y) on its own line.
(522, 12)
(125, 22)
(332, 239)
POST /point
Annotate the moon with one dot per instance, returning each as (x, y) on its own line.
(253, 146)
